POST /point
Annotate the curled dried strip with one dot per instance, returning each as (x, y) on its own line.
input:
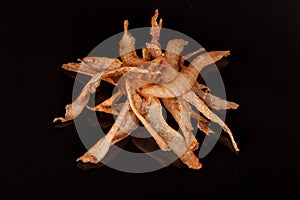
(154, 50)
(186, 78)
(106, 106)
(127, 48)
(75, 108)
(92, 65)
(135, 104)
(173, 51)
(100, 64)
(213, 101)
(172, 138)
(188, 56)
(96, 153)
(146, 54)
(75, 67)
(165, 77)
(192, 98)
(154, 46)
(87, 70)
(183, 120)
(203, 124)
(185, 113)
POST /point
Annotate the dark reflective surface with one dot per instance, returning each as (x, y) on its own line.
(262, 76)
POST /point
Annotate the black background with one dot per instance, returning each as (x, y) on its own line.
(263, 37)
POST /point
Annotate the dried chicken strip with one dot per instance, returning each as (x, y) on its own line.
(155, 27)
(154, 50)
(93, 65)
(168, 72)
(185, 79)
(203, 124)
(96, 153)
(182, 117)
(127, 48)
(102, 63)
(76, 67)
(188, 56)
(154, 46)
(173, 139)
(173, 51)
(87, 70)
(75, 108)
(185, 113)
(213, 101)
(135, 104)
(146, 54)
(192, 98)
(106, 105)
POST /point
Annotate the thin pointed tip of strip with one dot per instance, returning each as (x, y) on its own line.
(126, 25)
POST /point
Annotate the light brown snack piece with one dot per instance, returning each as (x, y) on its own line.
(186, 78)
(159, 76)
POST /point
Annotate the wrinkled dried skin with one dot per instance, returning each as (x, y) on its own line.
(172, 138)
(173, 51)
(143, 80)
(136, 104)
(76, 67)
(127, 48)
(92, 65)
(100, 64)
(203, 124)
(203, 108)
(83, 69)
(213, 101)
(168, 72)
(188, 56)
(74, 109)
(146, 54)
(106, 106)
(154, 50)
(154, 46)
(186, 78)
(182, 117)
(185, 121)
(124, 125)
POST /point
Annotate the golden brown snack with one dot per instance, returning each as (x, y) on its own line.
(159, 76)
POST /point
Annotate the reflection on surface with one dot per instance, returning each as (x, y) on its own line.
(146, 145)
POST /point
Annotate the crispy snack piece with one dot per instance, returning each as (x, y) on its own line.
(154, 46)
(124, 125)
(75, 108)
(203, 108)
(185, 79)
(213, 101)
(135, 104)
(171, 137)
(203, 124)
(173, 51)
(106, 106)
(159, 76)
(181, 112)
